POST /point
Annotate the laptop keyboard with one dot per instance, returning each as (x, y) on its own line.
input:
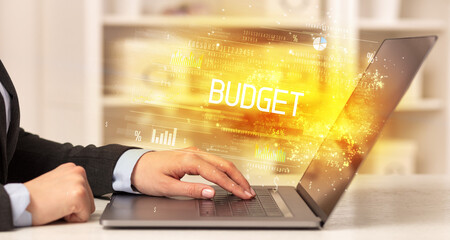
(225, 204)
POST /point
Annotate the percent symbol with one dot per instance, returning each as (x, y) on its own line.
(138, 136)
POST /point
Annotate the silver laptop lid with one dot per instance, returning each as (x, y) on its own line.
(357, 127)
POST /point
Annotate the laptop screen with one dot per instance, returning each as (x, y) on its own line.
(357, 127)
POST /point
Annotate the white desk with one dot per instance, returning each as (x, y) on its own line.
(375, 207)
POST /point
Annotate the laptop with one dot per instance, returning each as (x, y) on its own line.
(310, 204)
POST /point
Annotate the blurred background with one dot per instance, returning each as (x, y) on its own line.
(55, 52)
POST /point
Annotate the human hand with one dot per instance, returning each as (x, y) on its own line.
(159, 174)
(62, 192)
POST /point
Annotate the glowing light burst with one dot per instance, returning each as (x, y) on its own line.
(179, 70)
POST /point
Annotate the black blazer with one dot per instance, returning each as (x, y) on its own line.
(24, 156)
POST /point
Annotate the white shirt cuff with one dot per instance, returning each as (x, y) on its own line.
(20, 199)
(124, 168)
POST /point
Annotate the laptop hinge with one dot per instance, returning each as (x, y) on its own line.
(315, 208)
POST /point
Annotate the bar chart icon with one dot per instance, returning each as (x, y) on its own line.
(266, 153)
(165, 138)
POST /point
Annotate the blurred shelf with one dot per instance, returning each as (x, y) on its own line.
(176, 21)
(122, 102)
(430, 25)
(112, 101)
(410, 106)
(364, 24)
(419, 105)
(391, 156)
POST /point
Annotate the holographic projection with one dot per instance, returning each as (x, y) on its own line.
(263, 98)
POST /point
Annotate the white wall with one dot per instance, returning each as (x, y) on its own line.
(20, 52)
(71, 70)
(51, 50)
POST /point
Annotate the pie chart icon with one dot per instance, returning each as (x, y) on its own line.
(320, 43)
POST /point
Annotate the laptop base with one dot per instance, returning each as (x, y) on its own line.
(140, 211)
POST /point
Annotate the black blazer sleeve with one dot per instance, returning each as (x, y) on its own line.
(6, 222)
(34, 156)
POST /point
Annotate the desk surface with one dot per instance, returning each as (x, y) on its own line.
(375, 207)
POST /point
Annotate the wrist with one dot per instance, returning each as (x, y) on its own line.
(133, 177)
(136, 175)
(123, 175)
(30, 206)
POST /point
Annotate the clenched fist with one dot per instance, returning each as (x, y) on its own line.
(61, 193)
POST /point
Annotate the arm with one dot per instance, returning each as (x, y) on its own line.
(159, 173)
(64, 191)
(35, 156)
(60, 193)
(39, 163)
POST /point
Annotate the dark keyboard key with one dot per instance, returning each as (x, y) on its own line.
(226, 204)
